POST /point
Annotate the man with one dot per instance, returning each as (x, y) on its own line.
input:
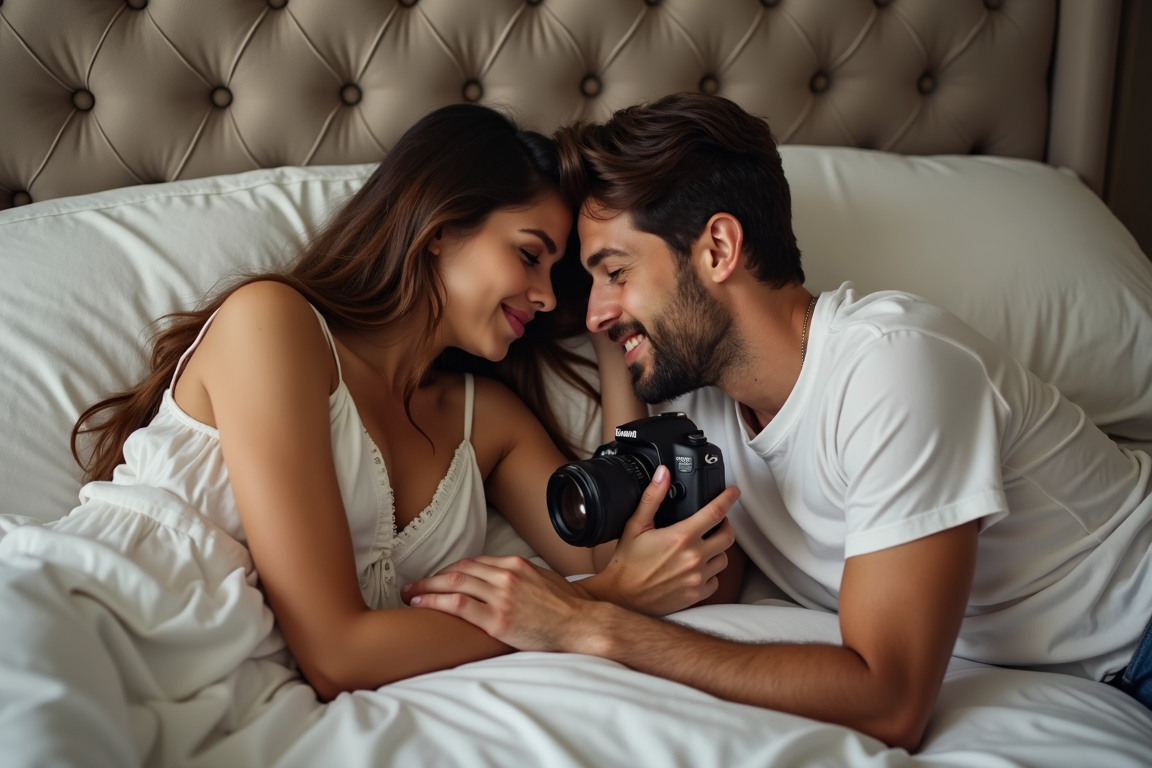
(894, 466)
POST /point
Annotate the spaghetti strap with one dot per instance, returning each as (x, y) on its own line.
(469, 396)
(331, 342)
(184, 357)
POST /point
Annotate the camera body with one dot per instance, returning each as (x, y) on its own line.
(590, 501)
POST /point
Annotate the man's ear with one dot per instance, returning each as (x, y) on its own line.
(719, 247)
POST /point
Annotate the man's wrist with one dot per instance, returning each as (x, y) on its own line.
(593, 634)
(592, 631)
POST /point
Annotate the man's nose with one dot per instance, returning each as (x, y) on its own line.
(602, 311)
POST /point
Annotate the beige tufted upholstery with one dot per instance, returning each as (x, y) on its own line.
(96, 94)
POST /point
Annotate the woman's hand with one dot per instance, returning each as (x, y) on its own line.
(661, 570)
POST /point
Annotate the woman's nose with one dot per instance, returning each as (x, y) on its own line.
(542, 295)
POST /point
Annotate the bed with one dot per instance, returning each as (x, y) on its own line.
(149, 148)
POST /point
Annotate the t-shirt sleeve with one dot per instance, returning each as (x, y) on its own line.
(917, 439)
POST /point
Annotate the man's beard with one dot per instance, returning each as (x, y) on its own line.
(691, 344)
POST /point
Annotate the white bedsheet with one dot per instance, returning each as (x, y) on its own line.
(168, 657)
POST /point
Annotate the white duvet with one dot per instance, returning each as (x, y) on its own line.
(139, 637)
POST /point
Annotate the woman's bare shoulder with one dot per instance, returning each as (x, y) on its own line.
(264, 316)
(501, 417)
(266, 300)
(497, 398)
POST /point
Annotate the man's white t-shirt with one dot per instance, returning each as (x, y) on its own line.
(905, 422)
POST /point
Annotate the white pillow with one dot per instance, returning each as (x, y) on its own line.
(1026, 254)
(81, 278)
(1020, 250)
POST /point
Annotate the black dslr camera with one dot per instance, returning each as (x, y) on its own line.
(590, 501)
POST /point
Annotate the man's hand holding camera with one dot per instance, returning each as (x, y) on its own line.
(669, 569)
(660, 570)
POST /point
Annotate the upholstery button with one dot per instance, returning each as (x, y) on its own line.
(819, 82)
(350, 94)
(977, 149)
(993, 5)
(651, 2)
(769, 3)
(21, 198)
(882, 3)
(221, 96)
(407, 3)
(139, 5)
(83, 100)
(709, 85)
(473, 91)
(926, 84)
(591, 86)
(534, 2)
(277, 4)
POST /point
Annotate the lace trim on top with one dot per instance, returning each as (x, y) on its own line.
(449, 485)
(401, 540)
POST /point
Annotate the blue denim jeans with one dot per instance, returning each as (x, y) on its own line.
(1136, 678)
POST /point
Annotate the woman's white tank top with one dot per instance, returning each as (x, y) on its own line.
(181, 456)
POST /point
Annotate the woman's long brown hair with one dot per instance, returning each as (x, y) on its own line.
(370, 268)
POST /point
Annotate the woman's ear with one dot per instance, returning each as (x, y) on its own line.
(434, 245)
(719, 247)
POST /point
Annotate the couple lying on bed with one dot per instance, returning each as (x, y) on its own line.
(913, 477)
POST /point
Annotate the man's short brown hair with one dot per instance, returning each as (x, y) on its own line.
(674, 163)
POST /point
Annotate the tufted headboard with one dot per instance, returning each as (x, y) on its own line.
(98, 94)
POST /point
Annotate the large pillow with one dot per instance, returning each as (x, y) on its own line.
(1020, 250)
(81, 278)
(1023, 252)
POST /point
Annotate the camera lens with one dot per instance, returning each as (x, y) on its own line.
(572, 507)
(590, 501)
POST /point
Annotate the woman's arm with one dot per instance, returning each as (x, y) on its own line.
(618, 401)
(618, 405)
(266, 370)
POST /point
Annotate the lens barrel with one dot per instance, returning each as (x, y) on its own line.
(590, 501)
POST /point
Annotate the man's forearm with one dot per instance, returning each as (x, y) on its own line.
(825, 682)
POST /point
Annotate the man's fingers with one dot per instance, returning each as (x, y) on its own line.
(458, 605)
(645, 514)
(711, 514)
(469, 577)
(719, 540)
(509, 563)
(716, 565)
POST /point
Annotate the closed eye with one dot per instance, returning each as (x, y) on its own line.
(614, 275)
(531, 257)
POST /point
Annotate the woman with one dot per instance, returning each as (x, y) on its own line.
(302, 414)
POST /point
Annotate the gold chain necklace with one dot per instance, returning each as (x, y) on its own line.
(804, 333)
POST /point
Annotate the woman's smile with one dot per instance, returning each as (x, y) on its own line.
(516, 318)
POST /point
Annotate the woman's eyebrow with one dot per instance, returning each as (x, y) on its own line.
(548, 242)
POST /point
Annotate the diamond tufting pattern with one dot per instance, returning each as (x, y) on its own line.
(96, 94)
